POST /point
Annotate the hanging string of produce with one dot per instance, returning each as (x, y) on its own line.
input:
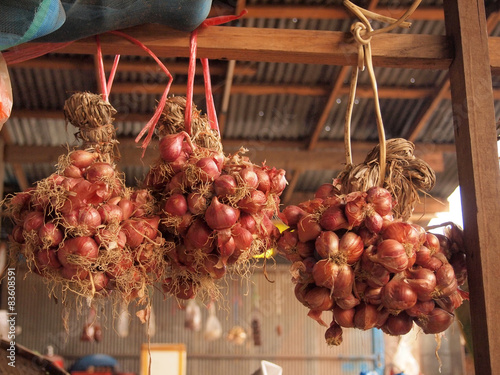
(217, 208)
(81, 228)
(352, 249)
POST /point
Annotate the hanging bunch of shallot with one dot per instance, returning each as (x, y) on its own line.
(81, 228)
(217, 209)
(349, 256)
(352, 249)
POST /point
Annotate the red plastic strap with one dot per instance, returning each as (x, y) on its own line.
(193, 44)
(212, 115)
(102, 74)
(214, 21)
(112, 73)
(150, 126)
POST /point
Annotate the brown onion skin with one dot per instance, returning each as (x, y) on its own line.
(348, 302)
(326, 191)
(176, 205)
(287, 245)
(397, 325)
(355, 208)
(446, 282)
(451, 302)
(50, 235)
(333, 219)
(308, 228)
(82, 158)
(317, 316)
(291, 215)
(421, 309)
(351, 247)
(318, 298)
(365, 317)
(333, 335)
(392, 255)
(398, 295)
(82, 246)
(99, 172)
(344, 282)
(373, 296)
(242, 237)
(344, 318)
(33, 221)
(47, 259)
(325, 273)
(253, 203)
(422, 281)
(437, 321)
(381, 199)
(199, 236)
(220, 216)
(327, 244)
(377, 275)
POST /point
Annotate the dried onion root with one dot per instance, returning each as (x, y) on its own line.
(350, 256)
(81, 228)
(406, 176)
(217, 209)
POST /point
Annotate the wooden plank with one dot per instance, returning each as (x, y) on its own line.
(276, 45)
(478, 172)
(335, 12)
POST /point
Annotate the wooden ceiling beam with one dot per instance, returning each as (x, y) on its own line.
(277, 45)
(337, 12)
(413, 51)
(286, 155)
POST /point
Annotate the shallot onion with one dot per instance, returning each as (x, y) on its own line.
(308, 228)
(333, 334)
(398, 295)
(392, 255)
(351, 247)
(438, 320)
(221, 216)
(327, 244)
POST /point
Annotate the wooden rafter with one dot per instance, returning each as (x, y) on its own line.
(278, 45)
(336, 12)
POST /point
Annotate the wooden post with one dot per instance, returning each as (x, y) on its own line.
(479, 175)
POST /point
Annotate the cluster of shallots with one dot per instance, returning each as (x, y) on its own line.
(216, 209)
(352, 258)
(81, 228)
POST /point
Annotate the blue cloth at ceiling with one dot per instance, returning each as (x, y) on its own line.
(67, 20)
(25, 20)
